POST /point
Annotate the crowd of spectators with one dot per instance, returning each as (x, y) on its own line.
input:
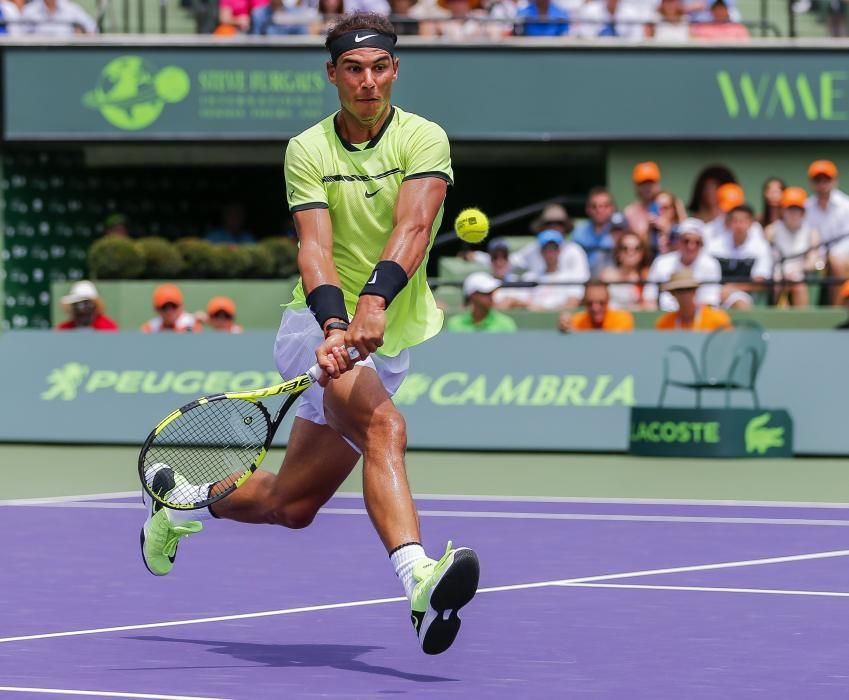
(86, 310)
(666, 20)
(45, 17)
(691, 262)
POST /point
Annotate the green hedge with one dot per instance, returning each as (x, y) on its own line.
(118, 258)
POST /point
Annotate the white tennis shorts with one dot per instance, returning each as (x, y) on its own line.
(294, 354)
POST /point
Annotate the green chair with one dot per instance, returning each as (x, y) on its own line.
(730, 361)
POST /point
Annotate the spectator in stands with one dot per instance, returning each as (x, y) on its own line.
(478, 289)
(646, 177)
(57, 18)
(502, 270)
(556, 19)
(329, 12)
(594, 234)
(618, 227)
(612, 18)
(405, 24)
(795, 246)
(116, 225)
(703, 200)
(237, 13)
(627, 276)
(232, 228)
(506, 10)
(690, 315)
(220, 314)
(560, 282)
(689, 255)
(277, 18)
(171, 316)
(463, 21)
(667, 213)
(827, 210)
(843, 296)
(380, 7)
(721, 26)
(85, 309)
(729, 196)
(553, 216)
(10, 16)
(597, 314)
(670, 22)
(835, 17)
(743, 257)
(773, 189)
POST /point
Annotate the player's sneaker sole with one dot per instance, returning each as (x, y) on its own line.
(438, 626)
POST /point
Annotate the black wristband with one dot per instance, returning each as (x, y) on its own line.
(335, 326)
(327, 301)
(387, 279)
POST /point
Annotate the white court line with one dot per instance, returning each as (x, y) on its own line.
(103, 693)
(512, 515)
(69, 499)
(492, 589)
(711, 589)
(494, 499)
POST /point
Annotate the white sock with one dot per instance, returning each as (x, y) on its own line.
(180, 516)
(404, 558)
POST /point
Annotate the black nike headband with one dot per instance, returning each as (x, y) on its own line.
(362, 38)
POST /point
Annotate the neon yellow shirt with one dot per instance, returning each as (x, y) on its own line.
(359, 184)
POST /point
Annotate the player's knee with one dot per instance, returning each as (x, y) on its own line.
(388, 427)
(295, 516)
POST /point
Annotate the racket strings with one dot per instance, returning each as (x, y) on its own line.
(212, 443)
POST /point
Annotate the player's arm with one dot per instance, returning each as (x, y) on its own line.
(322, 286)
(418, 205)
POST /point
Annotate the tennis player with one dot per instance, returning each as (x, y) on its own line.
(366, 188)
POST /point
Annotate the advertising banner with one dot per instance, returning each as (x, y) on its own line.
(717, 432)
(272, 92)
(532, 390)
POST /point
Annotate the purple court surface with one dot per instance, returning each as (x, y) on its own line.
(578, 600)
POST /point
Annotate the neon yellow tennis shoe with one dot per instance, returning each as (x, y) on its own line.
(160, 536)
(442, 588)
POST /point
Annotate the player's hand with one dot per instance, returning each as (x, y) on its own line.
(332, 357)
(366, 330)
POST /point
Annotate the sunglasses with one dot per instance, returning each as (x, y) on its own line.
(691, 241)
(223, 315)
(167, 306)
(631, 249)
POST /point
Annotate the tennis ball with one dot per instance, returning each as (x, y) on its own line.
(471, 225)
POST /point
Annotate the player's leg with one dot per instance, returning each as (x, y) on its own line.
(317, 461)
(359, 406)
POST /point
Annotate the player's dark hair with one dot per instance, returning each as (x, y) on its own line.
(360, 20)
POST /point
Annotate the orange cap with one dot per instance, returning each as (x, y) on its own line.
(217, 304)
(165, 294)
(646, 172)
(844, 291)
(729, 196)
(794, 197)
(822, 167)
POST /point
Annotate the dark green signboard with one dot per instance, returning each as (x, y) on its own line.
(497, 92)
(716, 432)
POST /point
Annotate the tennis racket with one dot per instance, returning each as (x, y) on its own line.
(214, 444)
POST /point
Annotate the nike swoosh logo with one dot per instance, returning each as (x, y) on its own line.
(373, 278)
(359, 38)
(369, 195)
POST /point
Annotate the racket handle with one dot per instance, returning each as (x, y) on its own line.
(315, 371)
